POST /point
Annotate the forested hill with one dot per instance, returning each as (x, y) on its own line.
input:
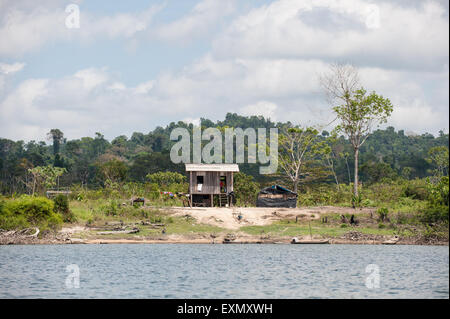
(386, 153)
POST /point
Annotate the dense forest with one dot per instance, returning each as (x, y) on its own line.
(91, 161)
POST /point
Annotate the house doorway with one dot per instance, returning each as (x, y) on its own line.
(223, 184)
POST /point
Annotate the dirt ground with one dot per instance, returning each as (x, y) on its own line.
(257, 216)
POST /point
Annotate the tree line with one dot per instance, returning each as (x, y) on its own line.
(89, 161)
(355, 151)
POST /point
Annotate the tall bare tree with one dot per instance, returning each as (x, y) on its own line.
(356, 110)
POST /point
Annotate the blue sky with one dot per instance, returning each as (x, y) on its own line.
(134, 65)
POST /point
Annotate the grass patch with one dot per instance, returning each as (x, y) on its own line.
(281, 228)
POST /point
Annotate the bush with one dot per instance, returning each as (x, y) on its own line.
(29, 211)
(415, 191)
(435, 214)
(437, 208)
(164, 179)
(356, 200)
(245, 189)
(111, 208)
(368, 203)
(61, 203)
(404, 218)
(383, 213)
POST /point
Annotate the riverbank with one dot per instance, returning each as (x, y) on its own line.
(54, 240)
(249, 225)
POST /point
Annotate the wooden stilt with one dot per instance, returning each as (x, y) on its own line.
(190, 189)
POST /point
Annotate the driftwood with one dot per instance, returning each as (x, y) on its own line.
(152, 224)
(22, 236)
(21, 233)
(112, 232)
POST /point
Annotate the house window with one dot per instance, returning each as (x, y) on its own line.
(199, 183)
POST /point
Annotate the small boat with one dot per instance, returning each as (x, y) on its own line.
(295, 240)
(392, 241)
(310, 241)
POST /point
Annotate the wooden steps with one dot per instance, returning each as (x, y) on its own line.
(223, 200)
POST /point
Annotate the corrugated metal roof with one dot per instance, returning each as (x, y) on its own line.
(212, 168)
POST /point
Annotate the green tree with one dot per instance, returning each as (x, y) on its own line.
(245, 188)
(57, 137)
(114, 170)
(356, 110)
(438, 157)
(164, 179)
(45, 176)
(297, 148)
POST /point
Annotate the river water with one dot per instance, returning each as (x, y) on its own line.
(224, 271)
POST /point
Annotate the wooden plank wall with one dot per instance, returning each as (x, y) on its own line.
(211, 182)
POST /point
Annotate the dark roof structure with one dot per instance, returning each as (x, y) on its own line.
(276, 196)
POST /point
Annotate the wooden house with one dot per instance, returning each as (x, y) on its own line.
(210, 181)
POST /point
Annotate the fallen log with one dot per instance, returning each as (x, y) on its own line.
(35, 233)
(112, 232)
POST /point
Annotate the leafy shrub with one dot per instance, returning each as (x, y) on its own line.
(383, 213)
(438, 193)
(245, 189)
(61, 203)
(164, 179)
(404, 218)
(438, 200)
(156, 219)
(368, 203)
(356, 200)
(415, 191)
(29, 211)
(434, 214)
(110, 208)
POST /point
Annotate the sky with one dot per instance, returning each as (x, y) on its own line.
(130, 66)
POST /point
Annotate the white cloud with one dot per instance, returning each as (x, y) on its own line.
(419, 116)
(264, 108)
(198, 21)
(336, 30)
(266, 63)
(24, 28)
(194, 121)
(144, 87)
(6, 70)
(11, 68)
(91, 77)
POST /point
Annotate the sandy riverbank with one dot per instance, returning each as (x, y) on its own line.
(231, 229)
(258, 216)
(350, 238)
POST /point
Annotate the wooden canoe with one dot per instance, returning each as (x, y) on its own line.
(311, 241)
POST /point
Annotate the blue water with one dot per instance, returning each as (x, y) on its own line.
(224, 271)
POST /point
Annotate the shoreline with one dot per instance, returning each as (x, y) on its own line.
(177, 225)
(245, 240)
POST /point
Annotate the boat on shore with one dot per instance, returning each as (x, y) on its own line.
(392, 241)
(309, 241)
